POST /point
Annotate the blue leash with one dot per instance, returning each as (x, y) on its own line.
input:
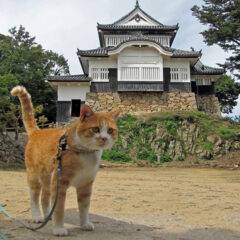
(2, 237)
(62, 146)
(2, 210)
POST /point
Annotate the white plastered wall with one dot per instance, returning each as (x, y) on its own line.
(131, 21)
(179, 63)
(110, 62)
(140, 57)
(72, 91)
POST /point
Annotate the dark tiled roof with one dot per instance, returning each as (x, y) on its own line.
(116, 25)
(200, 69)
(184, 53)
(69, 78)
(136, 27)
(104, 51)
(101, 52)
(137, 7)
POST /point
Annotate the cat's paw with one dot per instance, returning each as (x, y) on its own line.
(87, 226)
(38, 219)
(60, 232)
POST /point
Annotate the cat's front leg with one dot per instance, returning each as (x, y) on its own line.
(83, 197)
(58, 216)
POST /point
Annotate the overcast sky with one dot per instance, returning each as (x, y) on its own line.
(63, 26)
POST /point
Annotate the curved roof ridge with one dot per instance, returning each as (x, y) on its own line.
(104, 50)
(139, 38)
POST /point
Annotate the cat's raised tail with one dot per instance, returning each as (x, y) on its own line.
(27, 108)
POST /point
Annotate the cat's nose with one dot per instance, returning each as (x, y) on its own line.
(104, 139)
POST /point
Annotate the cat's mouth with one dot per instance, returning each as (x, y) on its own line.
(103, 145)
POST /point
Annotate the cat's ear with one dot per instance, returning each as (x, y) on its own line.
(115, 115)
(85, 112)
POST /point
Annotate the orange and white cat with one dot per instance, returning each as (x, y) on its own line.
(87, 137)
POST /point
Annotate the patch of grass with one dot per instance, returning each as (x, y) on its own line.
(126, 122)
(146, 153)
(140, 140)
(165, 157)
(180, 159)
(160, 141)
(171, 126)
(226, 132)
(208, 146)
(116, 156)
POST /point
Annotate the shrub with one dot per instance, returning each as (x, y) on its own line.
(165, 157)
(116, 156)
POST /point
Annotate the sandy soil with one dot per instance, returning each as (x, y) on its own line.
(141, 203)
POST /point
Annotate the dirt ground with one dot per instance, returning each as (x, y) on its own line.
(140, 203)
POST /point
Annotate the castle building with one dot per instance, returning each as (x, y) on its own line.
(137, 70)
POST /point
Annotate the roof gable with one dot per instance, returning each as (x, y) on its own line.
(137, 17)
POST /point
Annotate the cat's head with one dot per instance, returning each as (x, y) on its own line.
(96, 130)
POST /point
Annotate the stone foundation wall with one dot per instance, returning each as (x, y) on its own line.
(140, 102)
(208, 104)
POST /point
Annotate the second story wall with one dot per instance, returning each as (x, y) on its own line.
(99, 68)
(140, 64)
(179, 69)
(114, 40)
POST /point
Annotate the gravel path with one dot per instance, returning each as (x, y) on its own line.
(141, 203)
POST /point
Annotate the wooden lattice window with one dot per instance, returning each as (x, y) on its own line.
(179, 74)
(100, 73)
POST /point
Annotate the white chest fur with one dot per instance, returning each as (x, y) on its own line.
(89, 166)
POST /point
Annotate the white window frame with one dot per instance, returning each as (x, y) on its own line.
(139, 73)
(179, 74)
(100, 74)
(114, 40)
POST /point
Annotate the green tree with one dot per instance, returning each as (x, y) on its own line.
(30, 64)
(9, 113)
(223, 20)
(227, 91)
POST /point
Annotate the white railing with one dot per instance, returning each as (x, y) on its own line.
(179, 74)
(99, 74)
(130, 73)
(140, 74)
(203, 82)
(151, 73)
(114, 40)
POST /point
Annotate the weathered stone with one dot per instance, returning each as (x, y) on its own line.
(135, 102)
(209, 104)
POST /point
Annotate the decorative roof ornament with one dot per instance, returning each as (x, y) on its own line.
(137, 4)
(138, 34)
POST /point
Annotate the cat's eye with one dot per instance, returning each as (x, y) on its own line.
(96, 130)
(110, 131)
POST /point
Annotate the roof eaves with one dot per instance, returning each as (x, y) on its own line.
(216, 71)
(104, 52)
(136, 27)
(69, 78)
(69, 81)
(178, 53)
(200, 69)
(98, 52)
